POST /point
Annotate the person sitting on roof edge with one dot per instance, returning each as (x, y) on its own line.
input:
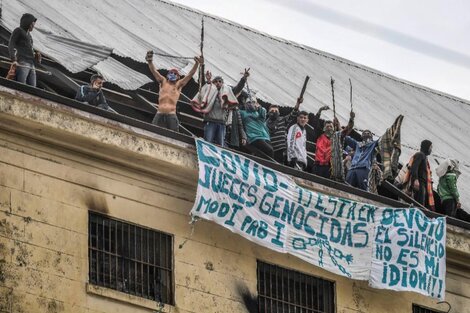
(21, 50)
(323, 151)
(93, 93)
(254, 119)
(169, 93)
(213, 100)
(448, 172)
(297, 142)
(277, 126)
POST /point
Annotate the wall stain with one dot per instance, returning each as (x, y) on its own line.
(358, 298)
(23, 255)
(249, 300)
(209, 266)
(96, 204)
(51, 305)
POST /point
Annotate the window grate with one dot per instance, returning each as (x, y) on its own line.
(282, 290)
(130, 259)
(420, 309)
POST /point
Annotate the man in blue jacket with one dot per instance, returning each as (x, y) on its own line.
(93, 94)
(361, 163)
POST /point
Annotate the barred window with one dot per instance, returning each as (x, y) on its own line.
(420, 309)
(130, 258)
(282, 290)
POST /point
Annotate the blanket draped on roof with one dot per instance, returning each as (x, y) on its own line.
(390, 148)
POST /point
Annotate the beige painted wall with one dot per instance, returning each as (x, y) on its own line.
(47, 188)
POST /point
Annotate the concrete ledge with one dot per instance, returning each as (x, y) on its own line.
(127, 298)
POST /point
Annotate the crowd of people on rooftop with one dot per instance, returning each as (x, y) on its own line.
(234, 118)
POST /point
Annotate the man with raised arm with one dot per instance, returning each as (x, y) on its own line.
(170, 90)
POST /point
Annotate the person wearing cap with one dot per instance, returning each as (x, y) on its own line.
(21, 50)
(93, 93)
(169, 93)
(217, 101)
(421, 178)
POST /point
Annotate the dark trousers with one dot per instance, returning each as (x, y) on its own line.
(450, 207)
(279, 156)
(169, 121)
(297, 164)
(358, 177)
(322, 170)
(261, 148)
(420, 195)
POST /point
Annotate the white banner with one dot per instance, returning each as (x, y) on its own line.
(392, 248)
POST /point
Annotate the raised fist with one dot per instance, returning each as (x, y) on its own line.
(149, 56)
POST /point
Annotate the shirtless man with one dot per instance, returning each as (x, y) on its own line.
(170, 90)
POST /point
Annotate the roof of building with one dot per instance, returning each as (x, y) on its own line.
(128, 28)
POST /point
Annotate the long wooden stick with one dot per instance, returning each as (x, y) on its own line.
(201, 47)
(304, 87)
(350, 94)
(333, 95)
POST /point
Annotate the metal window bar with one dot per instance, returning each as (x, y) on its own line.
(282, 290)
(130, 259)
(420, 309)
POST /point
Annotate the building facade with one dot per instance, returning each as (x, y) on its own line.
(94, 217)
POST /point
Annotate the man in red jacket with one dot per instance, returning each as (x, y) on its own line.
(322, 164)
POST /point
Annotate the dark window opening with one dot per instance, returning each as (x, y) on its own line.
(130, 259)
(282, 290)
(420, 309)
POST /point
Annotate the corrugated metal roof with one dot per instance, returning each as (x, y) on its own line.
(131, 27)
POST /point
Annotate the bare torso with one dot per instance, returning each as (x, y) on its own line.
(169, 95)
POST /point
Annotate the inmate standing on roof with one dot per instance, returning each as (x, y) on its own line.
(21, 50)
(170, 91)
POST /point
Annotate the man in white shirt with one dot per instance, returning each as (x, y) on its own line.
(297, 143)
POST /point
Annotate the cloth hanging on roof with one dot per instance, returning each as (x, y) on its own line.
(442, 169)
(11, 72)
(429, 189)
(337, 166)
(390, 148)
(375, 178)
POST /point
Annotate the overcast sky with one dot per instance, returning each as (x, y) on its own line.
(423, 41)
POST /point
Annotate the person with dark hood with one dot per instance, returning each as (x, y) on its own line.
(169, 93)
(421, 178)
(254, 120)
(93, 93)
(21, 50)
(218, 103)
(277, 126)
(364, 153)
(297, 143)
